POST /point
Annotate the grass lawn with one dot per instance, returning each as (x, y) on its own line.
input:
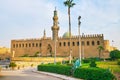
(112, 65)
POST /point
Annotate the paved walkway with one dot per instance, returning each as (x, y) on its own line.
(34, 70)
(24, 75)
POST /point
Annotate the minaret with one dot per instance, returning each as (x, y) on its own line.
(44, 36)
(55, 26)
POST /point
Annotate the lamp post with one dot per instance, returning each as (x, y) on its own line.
(112, 45)
(55, 53)
(70, 55)
(83, 47)
(79, 39)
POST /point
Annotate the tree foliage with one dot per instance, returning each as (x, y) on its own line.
(12, 64)
(100, 49)
(36, 54)
(115, 54)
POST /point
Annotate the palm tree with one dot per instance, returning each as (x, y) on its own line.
(100, 49)
(69, 4)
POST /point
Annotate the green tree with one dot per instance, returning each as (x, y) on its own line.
(69, 4)
(51, 54)
(25, 55)
(100, 50)
(93, 63)
(115, 54)
(36, 54)
(12, 65)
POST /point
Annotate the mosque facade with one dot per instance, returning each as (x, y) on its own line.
(47, 46)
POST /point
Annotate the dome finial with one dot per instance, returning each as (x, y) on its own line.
(55, 8)
(55, 12)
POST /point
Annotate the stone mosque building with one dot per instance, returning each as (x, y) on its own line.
(45, 46)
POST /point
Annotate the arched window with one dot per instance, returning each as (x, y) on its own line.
(88, 43)
(73, 43)
(29, 45)
(40, 45)
(13, 45)
(19, 45)
(68, 43)
(64, 44)
(60, 44)
(32, 44)
(36, 44)
(78, 43)
(22, 45)
(93, 43)
(26, 44)
(98, 42)
(16, 45)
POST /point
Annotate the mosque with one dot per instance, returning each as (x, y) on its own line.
(48, 46)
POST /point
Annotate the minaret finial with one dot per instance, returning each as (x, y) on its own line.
(44, 36)
(55, 8)
(55, 12)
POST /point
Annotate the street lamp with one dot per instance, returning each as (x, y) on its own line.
(55, 53)
(83, 47)
(112, 45)
(70, 55)
(79, 39)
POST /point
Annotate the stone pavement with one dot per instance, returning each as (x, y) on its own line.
(64, 77)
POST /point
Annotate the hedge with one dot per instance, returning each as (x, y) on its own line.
(59, 69)
(118, 62)
(82, 73)
(93, 74)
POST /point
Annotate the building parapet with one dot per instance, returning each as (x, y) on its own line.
(30, 39)
(26, 39)
(85, 36)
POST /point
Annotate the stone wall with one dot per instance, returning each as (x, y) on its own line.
(46, 47)
(25, 62)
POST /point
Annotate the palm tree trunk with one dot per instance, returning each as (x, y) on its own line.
(99, 54)
(69, 33)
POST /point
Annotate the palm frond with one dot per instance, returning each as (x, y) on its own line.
(69, 3)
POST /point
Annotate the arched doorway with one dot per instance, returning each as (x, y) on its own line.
(49, 50)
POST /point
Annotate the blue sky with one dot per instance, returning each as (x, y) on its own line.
(21, 19)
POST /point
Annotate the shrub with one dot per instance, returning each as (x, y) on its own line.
(60, 69)
(13, 65)
(32, 65)
(115, 54)
(108, 59)
(93, 74)
(86, 60)
(93, 64)
(118, 62)
(25, 55)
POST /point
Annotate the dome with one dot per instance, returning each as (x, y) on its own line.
(66, 35)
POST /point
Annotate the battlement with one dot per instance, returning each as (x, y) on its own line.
(92, 35)
(28, 39)
(47, 38)
(85, 36)
(75, 37)
(31, 39)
